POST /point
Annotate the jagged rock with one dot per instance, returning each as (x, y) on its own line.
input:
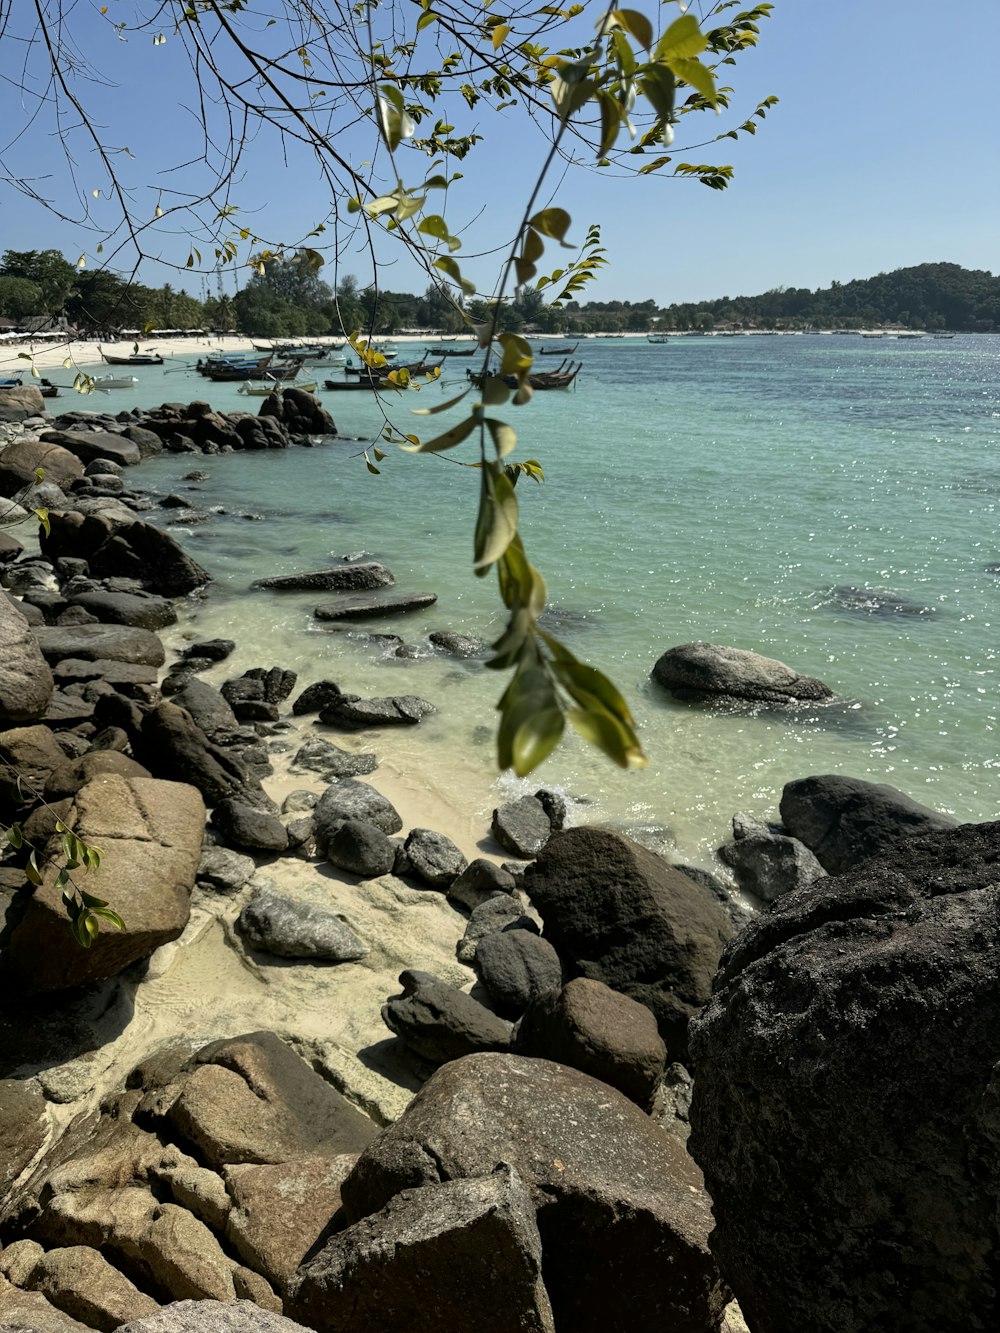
(458, 645)
(29, 1311)
(352, 714)
(224, 870)
(280, 1211)
(522, 827)
(172, 744)
(120, 643)
(71, 775)
(433, 1259)
(368, 608)
(208, 1317)
(619, 914)
(613, 1194)
(276, 924)
(23, 1129)
(708, 671)
(516, 966)
(315, 697)
(765, 863)
(328, 760)
(440, 1022)
(846, 820)
(433, 858)
(257, 693)
(79, 1281)
(252, 1099)
(501, 912)
(243, 825)
(479, 881)
(350, 799)
(342, 578)
(151, 834)
(361, 848)
(846, 1100)
(124, 547)
(26, 683)
(599, 1031)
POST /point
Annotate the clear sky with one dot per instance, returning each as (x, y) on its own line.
(882, 153)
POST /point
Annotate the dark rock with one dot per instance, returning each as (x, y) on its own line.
(433, 858)
(458, 645)
(342, 578)
(500, 912)
(319, 756)
(872, 602)
(146, 610)
(441, 1023)
(367, 608)
(700, 671)
(620, 915)
(765, 863)
(315, 697)
(516, 966)
(480, 880)
(412, 1267)
(148, 442)
(119, 643)
(522, 827)
(123, 676)
(599, 1031)
(276, 924)
(32, 755)
(10, 548)
(91, 444)
(846, 1101)
(171, 744)
(613, 1193)
(208, 709)
(23, 1129)
(101, 467)
(352, 714)
(245, 826)
(361, 849)
(350, 799)
(137, 549)
(216, 650)
(224, 870)
(846, 820)
(555, 806)
(70, 776)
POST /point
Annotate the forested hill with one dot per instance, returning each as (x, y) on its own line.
(927, 296)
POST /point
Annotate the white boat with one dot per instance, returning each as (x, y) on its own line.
(102, 382)
(261, 388)
(336, 359)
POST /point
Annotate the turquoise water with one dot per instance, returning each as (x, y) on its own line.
(709, 489)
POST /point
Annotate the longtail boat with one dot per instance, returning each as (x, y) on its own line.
(558, 351)
(150, 358)
(560, 378)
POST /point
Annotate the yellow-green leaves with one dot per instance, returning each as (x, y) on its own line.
(448, 440)
(447, 265)
(682, 40)
(496, 525)
(394, 122)
(638, 25)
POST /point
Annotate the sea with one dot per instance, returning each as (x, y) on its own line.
(827, 500)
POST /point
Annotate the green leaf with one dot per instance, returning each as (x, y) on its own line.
(699, 76)
(682, 39)
(14, 836)
(496, 526)
(601, 729)
(659, 87)
(439, 407)
(446, 441)
(447, 265)
(495, 391)
(504, 436)
(43, 520)
(611, 122)
(371, 466)
(551, 222)
(637, 24)
(31, 871)
(586, 684)
(535, 739)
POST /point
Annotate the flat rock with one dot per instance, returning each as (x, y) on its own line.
(350, 714)
(213, 1317)
(440, 1022)
(368, 608)
(119, 643)
(91, 444)
(522, 827)
(276, 924)
(699, 671)
(146, 610)
(361, 577)
(317, 755)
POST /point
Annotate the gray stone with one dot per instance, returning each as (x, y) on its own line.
(120, 643)
(621, 1211)
(213, 1317)
(707, 671)
(351, 714)
(342, 578)
(81, 1282)
(25, 679)
(501, 912)
(765, 863)
(315, 697)
(31, 754)
(172, 744)
(328, 760)
(276, 924)
(516, 966)
(522, 827)
(361, 849)
(619, 914)
(369, 608)
(350, 799)
(433, 858)
(224, 870)
(23, 1129)
(479, 881)
(846, 820)
(459, 645)
(441, 1023)
(91, 444)
(847, 1105)
(599, 1031)
(20, 459)
(146, 610)
(244, 825)
(434, 1259)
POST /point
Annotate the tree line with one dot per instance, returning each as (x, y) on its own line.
(289, 298)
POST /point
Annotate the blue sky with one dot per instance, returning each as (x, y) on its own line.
(882, 153)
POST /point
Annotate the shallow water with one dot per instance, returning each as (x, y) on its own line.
(710, 489)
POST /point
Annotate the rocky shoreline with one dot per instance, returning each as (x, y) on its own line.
(228, 1101)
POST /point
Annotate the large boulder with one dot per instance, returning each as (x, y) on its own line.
(843, 821)
(28, 758)
(118, 643)
(768, 863)
(90, 444)
(707, 671)
(619, 914)
(439, 1259)
(847, 1105)
(150, 833)
(26, 683)
(19, 461)
(288, 928)
(172, 744)
(145, 609)
(211, 1317)
(622, 1215)
(127, 548)
(358, 576)
(21, 401)
(441, 1023)
(350, 799)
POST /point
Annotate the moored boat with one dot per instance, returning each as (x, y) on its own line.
(559, 351)
(261, 388)
(137, 358)
(102, 382)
